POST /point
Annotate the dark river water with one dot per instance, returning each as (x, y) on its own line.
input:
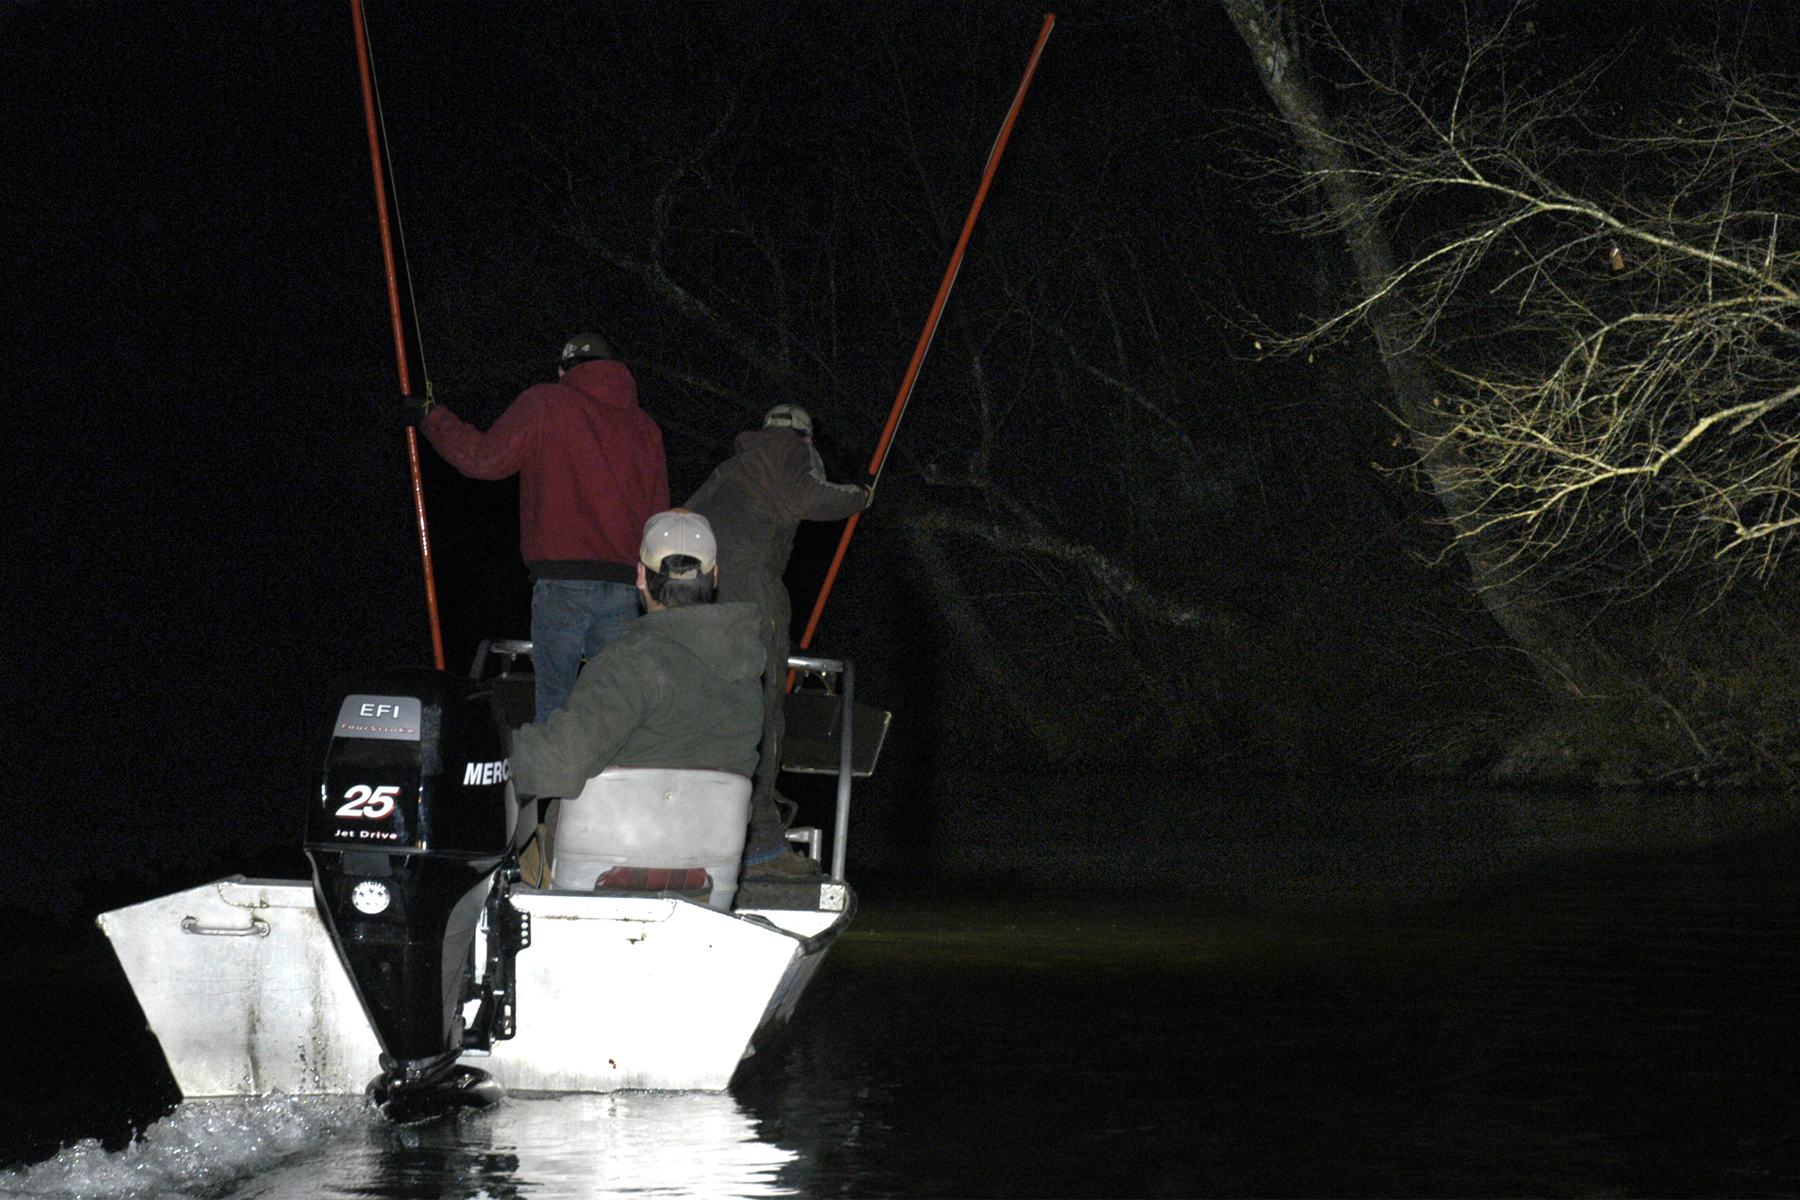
(1605, 1010)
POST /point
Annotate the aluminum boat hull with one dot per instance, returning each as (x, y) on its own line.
(246, 993)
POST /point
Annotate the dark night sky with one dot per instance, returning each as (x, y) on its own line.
(207, 503)
(207, 518)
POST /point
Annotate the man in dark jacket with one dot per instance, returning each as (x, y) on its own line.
(754, 500)
(591, 472)
(681, 688)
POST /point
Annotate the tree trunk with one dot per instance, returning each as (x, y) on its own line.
(1570, 662)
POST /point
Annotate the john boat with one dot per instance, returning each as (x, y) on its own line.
(448, 947)
(435, 958)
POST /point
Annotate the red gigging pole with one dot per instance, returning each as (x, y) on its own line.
(393, 291)
(931, 324)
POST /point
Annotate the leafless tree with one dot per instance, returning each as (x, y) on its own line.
(1611, 315)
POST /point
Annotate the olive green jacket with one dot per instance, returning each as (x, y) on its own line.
(682, 688)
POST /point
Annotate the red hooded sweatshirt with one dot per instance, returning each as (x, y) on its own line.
(590, 463)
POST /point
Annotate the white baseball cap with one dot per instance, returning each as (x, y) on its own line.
(679, 531)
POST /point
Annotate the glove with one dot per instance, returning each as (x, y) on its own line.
(414, 407)
(868, 485)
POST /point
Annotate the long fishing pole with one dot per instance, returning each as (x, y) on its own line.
(931, 324)
(393, 291)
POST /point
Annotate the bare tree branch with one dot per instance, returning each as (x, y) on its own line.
(1615, 318)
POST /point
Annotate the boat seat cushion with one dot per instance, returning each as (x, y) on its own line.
(692, 883)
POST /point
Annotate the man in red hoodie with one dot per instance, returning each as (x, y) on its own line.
(591, 472)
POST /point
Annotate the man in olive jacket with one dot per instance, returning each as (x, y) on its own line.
(682, 688)
(755, 500)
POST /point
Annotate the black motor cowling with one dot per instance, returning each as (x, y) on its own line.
(408, 831)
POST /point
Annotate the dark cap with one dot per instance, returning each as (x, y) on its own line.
(586, 345)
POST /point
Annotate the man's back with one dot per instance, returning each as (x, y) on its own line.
(681, 689)
(590, 464)
(755, 498)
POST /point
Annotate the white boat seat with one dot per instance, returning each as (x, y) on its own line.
(657, 817)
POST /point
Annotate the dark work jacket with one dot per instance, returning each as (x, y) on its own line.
(755, 499)
(682, 688)
(590, 465)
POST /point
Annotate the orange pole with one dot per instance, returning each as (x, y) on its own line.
(931, 324)
(393, 292)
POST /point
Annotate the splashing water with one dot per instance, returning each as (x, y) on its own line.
(667, 1144)
(199, 1150)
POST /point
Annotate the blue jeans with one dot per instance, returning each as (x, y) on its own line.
(572, 620)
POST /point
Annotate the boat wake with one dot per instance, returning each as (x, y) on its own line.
(203, 1149)
(675, 1144)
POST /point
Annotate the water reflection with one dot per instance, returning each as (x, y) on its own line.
(632, 1143)
(1615, 1024)
(1323, 840)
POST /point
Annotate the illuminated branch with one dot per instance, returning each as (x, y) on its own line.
(1614, 319)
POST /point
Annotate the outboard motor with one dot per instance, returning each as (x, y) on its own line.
(410, 836)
